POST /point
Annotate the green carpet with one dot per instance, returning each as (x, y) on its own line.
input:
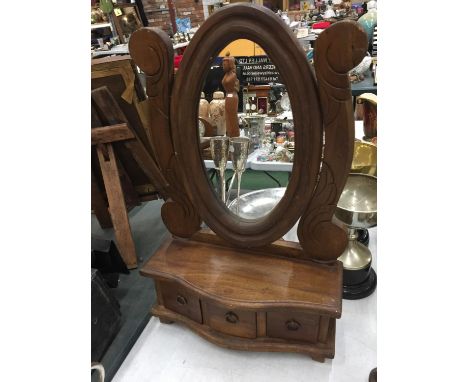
(258, 180)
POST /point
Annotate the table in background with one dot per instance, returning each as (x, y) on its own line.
(288, 166)
(209, 163)
(365, 86)
(123, 49)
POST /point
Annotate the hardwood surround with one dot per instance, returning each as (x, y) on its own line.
(244, 301)
(238, 284)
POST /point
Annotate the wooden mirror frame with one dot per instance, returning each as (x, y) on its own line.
(322, 165)
(254, 23)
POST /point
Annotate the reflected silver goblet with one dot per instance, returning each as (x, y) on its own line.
(357, 209)
(239, 150)
(219, 147)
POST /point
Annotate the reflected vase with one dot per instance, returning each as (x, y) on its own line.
(369, 21)
(203, 107)
(217, 112)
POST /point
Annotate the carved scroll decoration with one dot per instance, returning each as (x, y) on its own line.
(152, 51)
(338, 49)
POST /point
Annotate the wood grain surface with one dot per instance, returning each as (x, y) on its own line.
(317, 352)
(99, 204)
(247, 280)
(117, 208)
(241, 287)
(114, 133)
(152, 51)
(338, 49)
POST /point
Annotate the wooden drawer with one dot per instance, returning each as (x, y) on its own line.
(293, 326)
(181, 300)
(230, 321)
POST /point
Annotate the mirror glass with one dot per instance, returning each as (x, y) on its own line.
(246, 130)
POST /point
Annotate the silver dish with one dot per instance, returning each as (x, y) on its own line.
(357, 207)
(257, 204)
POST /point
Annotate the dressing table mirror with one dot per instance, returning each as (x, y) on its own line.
(229, 277)
(246, 129)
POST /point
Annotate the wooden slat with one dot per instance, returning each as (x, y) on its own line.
(148, 165)
(106, 103)
(112, 133)
(119, 76)
(99, 205)
(117, 208)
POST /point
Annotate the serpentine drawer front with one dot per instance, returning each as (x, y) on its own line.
(230, 321)
(181, 300)
(246, 301)
(293, 326)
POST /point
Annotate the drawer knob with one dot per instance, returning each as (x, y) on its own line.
(231, 317)
(181, 300)
(293, 325)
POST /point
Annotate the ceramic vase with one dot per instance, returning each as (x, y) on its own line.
(217, 112)
(368, 21)
(203, 107)
(369, 108)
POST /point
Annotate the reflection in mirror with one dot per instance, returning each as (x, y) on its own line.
(246, 130)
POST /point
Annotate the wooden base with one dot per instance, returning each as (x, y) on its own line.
(165, 321)
(247, 301)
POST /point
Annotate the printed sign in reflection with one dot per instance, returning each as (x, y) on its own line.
(257, 70)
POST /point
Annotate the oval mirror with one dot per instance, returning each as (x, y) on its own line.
(246, 130)
(199, 136)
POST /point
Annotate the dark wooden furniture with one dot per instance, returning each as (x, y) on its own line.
(120, 76)
(128, 21)
(237, 284)
(105, 316)
(240, 300)
(260, 92)
(118, 148)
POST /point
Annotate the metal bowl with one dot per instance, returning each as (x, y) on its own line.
(364, 158)
(357, 207)
(256, 204)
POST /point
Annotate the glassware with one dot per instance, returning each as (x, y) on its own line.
(219, 147)
(239, 150)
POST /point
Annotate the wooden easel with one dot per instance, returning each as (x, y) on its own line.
(104, 136)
